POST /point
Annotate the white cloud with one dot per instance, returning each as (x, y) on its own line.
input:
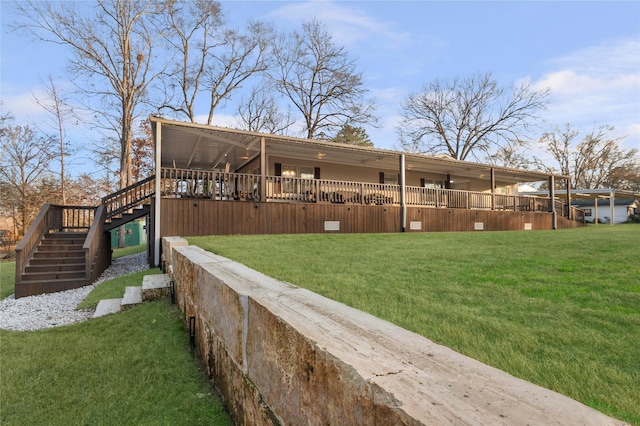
(347, 25)
(22, 106)
(596, 86)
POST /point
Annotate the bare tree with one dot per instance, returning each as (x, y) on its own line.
(467, 117)
(259, 113)
(213, 60)
(85, 190)
(142, 153)
(510, 154)
(59, 109)
(596, 161)
(321, 81)
(111, 47)
(625, 177)
(25, 180)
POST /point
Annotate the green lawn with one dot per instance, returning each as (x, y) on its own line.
(129, 250)
(135, 367)
(7, 278)
(557, 308)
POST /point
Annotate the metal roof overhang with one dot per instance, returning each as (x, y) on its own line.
(198, 146)
(585, 194)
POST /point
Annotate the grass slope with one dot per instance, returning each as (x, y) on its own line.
(557, 308)
(7, 279)
(135, 367)
(113, 289)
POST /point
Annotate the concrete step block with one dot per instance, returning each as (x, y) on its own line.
(155, 286)
(132, 296)
(106, 307)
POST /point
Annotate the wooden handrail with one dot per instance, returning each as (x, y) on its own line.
(31, 240)
(91, 244)
(217, 185)
(129, 197)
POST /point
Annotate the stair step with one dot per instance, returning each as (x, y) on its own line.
(62, 241)
(155, 286)
(66, 236)
(53, 275)
(42, 261)
(59, 253)
(48, 286)
(46, 248)
(107, 306)
(132, 296)
(64, 267)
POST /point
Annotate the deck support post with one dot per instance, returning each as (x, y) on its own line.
(612, 209)
(158, 198)
(263, 170)
(403, 195)
(552, 205)
(492, 178)
(569, 216)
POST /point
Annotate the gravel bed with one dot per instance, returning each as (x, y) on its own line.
(56, 309)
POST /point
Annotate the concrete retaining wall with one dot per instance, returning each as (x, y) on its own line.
(280, 354)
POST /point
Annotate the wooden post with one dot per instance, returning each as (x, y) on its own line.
(157, 200)
(612, 209)
(492, 178)
(552, 207)
(263, 169)
(403, 195)
(569, 199)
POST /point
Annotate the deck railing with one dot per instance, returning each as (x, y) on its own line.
(332, 191)
(128, 198)
(185, 183)
(97, 246)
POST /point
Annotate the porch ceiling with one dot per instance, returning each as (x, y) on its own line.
(196, 146)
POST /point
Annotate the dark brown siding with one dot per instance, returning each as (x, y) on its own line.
(185, 217)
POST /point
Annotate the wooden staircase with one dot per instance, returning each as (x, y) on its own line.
(67, 247)
(58, 263)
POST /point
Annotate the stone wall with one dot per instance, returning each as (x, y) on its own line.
(280, 354)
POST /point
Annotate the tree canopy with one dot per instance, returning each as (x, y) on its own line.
(594, 162)
(353, 136)
(320, 80)
(468, 117)
(26, 180)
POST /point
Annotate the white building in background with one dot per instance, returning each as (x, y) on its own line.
(601, 210)
(601, 205)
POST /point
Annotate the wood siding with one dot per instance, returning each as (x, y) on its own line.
(197, 217)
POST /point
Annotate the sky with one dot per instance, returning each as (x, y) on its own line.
(586, 53)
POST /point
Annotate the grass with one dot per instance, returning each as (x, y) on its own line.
(135, 367)
(557, 308)
(114, 288)
(7, 279)
(126, 251)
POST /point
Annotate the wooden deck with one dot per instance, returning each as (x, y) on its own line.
(196, 202)
(199, 217)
